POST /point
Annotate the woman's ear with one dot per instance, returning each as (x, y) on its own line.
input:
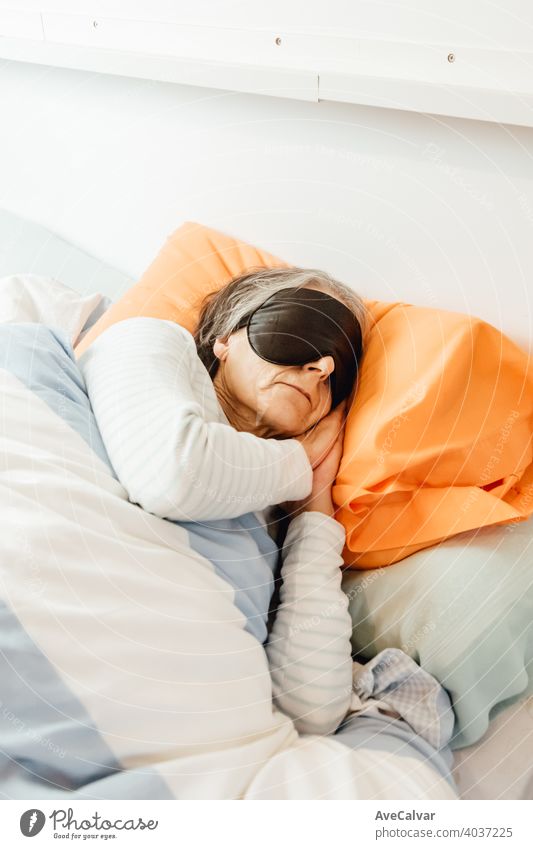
(220, 348)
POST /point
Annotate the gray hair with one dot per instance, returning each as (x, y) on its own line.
(222, 311)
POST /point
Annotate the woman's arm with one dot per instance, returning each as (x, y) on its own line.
(164, 432)
(309, 648)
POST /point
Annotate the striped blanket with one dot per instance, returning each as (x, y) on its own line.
(131, 648)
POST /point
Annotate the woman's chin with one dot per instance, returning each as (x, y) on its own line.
(286, 417)
(288, 425)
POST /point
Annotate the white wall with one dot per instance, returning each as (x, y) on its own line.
(403, 206)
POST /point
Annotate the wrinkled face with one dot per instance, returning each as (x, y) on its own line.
(286, 400)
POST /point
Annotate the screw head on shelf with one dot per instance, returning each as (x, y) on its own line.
(451, 57)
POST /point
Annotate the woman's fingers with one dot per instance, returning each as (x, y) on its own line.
(319, 441)
(328, 468)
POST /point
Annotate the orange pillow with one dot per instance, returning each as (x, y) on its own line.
(438, 438)
(193, 262)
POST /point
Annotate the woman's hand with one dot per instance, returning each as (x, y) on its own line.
(324, 475)
(320, 439)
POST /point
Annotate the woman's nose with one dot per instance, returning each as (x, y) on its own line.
(325, 365)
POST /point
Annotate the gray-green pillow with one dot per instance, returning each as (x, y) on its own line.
(28, 247)
(462, 609)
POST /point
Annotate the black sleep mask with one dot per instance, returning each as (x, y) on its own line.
(298, 326)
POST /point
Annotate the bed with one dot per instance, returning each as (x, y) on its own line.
(96, 526)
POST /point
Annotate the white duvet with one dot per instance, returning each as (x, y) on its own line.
(127, 671)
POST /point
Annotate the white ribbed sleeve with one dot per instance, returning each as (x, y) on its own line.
(165, 433)
(177, 456)
(309, 647)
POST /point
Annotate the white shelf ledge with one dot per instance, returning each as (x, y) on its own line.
(458, 101)
(462, 81)
(276, 82)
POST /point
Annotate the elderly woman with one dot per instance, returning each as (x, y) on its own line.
(245, 416)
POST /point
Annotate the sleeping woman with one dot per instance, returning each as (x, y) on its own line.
(246, 416)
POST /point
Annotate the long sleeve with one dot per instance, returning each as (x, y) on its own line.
(167, 437)
(309, 649)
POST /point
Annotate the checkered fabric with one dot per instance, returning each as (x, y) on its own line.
(392, 683)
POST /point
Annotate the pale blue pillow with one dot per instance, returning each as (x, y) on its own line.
(463, 610)
(28, 247)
